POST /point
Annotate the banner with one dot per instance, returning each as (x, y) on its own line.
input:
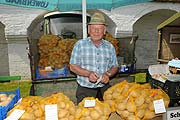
(40, 4)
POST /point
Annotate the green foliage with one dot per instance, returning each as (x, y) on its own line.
(140, 77)
(12, 85)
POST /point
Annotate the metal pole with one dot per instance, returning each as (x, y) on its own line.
(84, 18)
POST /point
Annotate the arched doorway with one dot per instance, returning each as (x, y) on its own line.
(147, 43)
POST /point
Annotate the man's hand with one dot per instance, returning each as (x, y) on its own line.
(93, 77)
(105, 78)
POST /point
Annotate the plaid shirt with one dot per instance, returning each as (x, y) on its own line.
(98, 59)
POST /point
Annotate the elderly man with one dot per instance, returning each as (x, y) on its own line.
(94, 61)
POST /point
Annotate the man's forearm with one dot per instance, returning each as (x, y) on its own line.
(112, 71)
(79, 71)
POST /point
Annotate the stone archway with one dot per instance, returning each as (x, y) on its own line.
(4, 61)
(34, 32)
(147, 43)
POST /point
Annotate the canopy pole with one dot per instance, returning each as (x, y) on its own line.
(84, 18)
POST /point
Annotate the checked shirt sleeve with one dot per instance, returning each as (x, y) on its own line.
(75, 55)
(114, 61)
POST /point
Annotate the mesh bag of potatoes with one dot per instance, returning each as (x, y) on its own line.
(34, 107)
(134, 101)
(65, 107)
(55, 51)
(112, 40)
(100, 111)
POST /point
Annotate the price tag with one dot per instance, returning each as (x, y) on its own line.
(99, 80)
(15, 115)
(159, 106)
(89, 103)
(51, 112)
(48, 68)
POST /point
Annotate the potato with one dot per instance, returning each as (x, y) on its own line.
(94, 114)
(149, 114)
(140, 113)
(139, 101)
(121, 106)
(62, 113)
(61, 104)
(124, 113)
(132, 117)
(131, 107)
(99, 109)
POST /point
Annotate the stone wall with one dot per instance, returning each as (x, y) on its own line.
(16, 20)
(19, 63)
(147, 43)
(4, 65)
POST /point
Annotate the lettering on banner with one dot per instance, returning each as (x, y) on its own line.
(36, 3)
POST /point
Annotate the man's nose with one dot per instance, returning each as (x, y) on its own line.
(96, 30)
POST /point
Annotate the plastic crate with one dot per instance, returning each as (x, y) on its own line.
(56, 73)
(172, 88)
(10, 105)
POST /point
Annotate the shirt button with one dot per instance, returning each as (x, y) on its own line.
(98, 61)
(97, 53)
(98, 68)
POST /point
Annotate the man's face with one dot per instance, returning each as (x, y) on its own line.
(96, 32)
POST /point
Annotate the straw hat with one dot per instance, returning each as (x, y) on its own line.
(97, 18)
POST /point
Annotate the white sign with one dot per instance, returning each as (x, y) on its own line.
(89, 103)
(51, 112)
(15, 115)
(159, 106)
(172, 114)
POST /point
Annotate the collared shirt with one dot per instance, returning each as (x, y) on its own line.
(93, 58)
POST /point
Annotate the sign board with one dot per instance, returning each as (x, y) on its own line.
(172, 114)
(41, 4)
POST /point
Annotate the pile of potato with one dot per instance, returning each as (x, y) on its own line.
(5, 99)
(112, 40)
(55, 51)
(66, 108)
(34, 107)
(100, 111)
(134, 101)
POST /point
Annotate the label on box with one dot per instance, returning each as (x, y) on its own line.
(89, 103)
(123, 68)
(48, 68)
(159, 106)
(15, 115)
(51, 112)
(172, 114)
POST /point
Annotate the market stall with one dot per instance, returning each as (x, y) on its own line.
(169, 39)
(54, 86)
(166, 74)
(122, 101)
(159, 76)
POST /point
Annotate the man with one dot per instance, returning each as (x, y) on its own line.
(94, 61)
